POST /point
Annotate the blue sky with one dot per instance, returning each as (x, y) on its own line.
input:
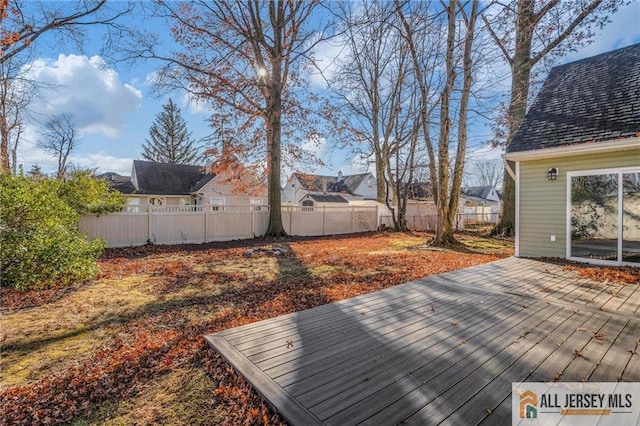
(115, 105)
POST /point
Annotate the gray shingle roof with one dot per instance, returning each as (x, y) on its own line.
(591, 100)
(202, 182)
(118, 182)
(478, 191)
(326, 198)
(166, 178)
(316, 183)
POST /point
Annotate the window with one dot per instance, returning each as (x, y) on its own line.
(604, 216)
(307, 206)
(133, 205)
(217, 203)
(156, 201)
(185, 201)
(370, 183)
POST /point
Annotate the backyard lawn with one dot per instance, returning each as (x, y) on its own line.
(127, 347)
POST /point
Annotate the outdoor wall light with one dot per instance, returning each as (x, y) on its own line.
(553, 173)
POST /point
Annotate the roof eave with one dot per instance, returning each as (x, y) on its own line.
(575, 149)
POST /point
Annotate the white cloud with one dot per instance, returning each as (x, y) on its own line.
(484, 153)
(315, 146)
(104, 163)
(194, 106)
(29, 154)
(325, 56)
(87, 89)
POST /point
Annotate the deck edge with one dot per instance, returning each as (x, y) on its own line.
(279, 399)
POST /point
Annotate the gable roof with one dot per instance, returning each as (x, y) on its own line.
(478, 191)
(118, 182)
(316, 183)
(165, 178)
(202, 182)
(592, 100)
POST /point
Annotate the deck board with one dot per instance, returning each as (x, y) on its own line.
(444, 348)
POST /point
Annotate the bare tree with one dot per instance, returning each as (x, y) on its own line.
(528, 33)
(377, 98)
(368, 82)
(16, 93)
(23, 24)
(59, 138)
(489, 172)
(445, 175)
(244, 59)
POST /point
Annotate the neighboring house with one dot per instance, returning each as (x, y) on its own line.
(167, 184)
(577, 157)
(315, 190)
(481, 203)
(481, 195)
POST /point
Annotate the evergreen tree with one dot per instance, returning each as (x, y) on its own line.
(169, 140)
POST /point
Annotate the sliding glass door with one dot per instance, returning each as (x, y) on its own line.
(604, 214)
(631, 217)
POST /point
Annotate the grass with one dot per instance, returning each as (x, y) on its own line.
(127, 347)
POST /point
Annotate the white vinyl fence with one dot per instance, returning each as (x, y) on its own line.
(199, 224)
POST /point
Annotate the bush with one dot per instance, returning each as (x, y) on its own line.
(39, 241)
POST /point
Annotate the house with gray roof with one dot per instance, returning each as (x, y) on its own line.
(314, 190)
(577, 163)
(168, 184)
(481, 195)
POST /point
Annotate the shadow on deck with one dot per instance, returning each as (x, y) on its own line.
(441, 349)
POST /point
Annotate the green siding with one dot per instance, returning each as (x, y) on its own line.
(543, 202)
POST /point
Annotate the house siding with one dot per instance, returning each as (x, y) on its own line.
(366, 191)
(543, 203)
(231, 194)
(292, 192)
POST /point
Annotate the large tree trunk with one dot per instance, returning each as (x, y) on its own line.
(521, 73)
(444, 230)
(463, 112)
(274, 160)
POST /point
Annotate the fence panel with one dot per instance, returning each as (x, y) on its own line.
(365, 220)
(463, 222)
(195, 224)
(339, 222)
(176, 228)
(226, 225)
(307, 222)
(118, 230)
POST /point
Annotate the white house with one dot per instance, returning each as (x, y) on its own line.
(313, 190)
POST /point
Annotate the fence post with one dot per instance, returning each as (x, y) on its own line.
(204, 214)
(324, 213)
(251, 207)
(149, 222)
(352, 211)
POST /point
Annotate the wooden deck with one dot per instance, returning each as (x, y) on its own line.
(441, 349)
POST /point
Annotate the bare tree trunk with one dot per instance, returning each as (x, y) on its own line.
(4, 126)
(444, 230)
(274, 129)
(521, 75)
(462, 124)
